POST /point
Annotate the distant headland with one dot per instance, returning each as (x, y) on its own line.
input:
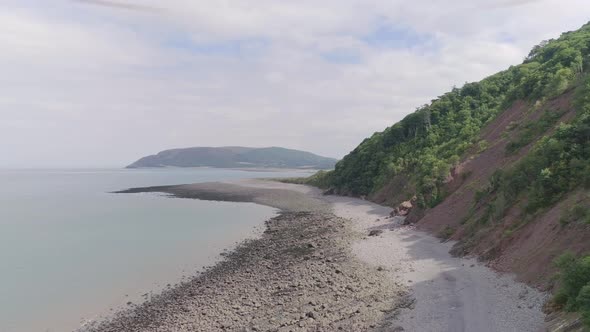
(235, 157)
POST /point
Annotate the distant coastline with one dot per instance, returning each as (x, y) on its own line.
(236, 157)
(244, 169)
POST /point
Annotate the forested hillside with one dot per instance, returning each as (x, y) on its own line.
(429, 142)
(501, 165)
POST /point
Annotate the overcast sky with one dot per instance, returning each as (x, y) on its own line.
(102, 83)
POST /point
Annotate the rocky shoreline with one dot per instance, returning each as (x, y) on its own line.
(299, 276)
(254, 191)
(330, 263)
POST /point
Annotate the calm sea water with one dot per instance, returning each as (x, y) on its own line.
(70, 250)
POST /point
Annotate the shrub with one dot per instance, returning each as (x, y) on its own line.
(583, 301)
(576, 213)
(574, 291)
(532, 130)
(446, 232)
(482, 146)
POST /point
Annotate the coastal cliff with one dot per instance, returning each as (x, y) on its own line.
(502, 166)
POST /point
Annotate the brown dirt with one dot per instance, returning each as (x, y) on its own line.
(530, 252)
(510, 245)
(398, 189)
(477, 169)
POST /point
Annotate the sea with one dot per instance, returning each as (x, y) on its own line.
(72, 252)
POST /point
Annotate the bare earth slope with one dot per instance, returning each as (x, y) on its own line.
(508, 244)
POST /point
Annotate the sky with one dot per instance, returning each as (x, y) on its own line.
(96, 83)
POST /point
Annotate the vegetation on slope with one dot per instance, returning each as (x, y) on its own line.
(426, 144)
(574, 293)
(320, 179)
(557, 165)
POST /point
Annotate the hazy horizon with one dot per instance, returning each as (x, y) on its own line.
(101, 84)
(124, 164)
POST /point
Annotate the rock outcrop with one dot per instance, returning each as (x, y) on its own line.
(404, 208)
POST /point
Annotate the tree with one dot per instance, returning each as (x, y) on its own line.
(559, 82)
(583, 301)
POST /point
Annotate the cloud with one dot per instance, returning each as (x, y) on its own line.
(93, 86)
(508, 3)
(119, 5)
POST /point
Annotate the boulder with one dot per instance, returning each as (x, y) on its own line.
(404, 208)
(407, 205)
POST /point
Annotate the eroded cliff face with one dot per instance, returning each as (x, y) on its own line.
(511, 241)
(504, 233)
(502, 166)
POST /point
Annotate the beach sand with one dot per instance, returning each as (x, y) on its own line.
(451, 293)
(315, 268)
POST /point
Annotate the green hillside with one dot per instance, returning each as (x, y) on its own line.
(502, 166)
(427, 143)
(235, 157)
